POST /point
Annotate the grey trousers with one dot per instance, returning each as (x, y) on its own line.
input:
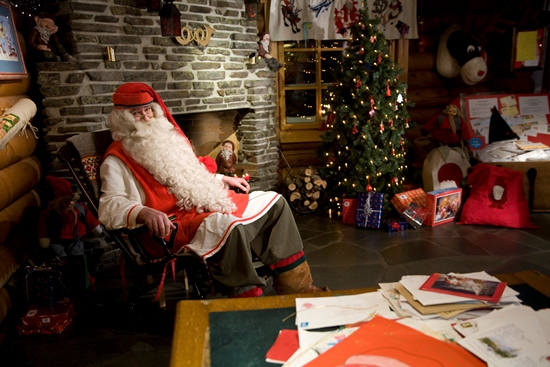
(271, 238)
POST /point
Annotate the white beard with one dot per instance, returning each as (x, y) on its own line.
(265, 45)
(226, 154)
(44, 33)
(167, 155)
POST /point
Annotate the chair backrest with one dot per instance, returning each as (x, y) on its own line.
(83, 154)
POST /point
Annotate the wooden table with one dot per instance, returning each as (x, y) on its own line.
(190, 345)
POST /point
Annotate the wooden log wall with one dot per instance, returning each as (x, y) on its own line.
(493, 22)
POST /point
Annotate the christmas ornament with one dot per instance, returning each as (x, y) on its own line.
(382, 127)
(388, 92)
(372, 39)
(372, 112)
(354, 129)
(368, 188)
(358, 84)
(379, 58)
(395, 180)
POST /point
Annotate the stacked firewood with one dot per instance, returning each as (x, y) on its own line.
(305, 190)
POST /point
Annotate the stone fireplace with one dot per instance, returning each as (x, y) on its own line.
(212, 91)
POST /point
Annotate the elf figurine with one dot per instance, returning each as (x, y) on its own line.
(64, 222)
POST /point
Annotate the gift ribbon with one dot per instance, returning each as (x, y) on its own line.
(161, 284)
(368, 210)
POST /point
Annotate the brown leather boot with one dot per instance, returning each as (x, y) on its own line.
(297, 280)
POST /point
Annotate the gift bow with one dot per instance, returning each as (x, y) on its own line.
(368, 210)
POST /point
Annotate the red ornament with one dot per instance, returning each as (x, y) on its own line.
(372, 39)
(395, 180)
(382, 127)
(391, 123)
(388, 92)
(362, 51)
(354, 130)
(379, 58)
(358, 84)
(368, 188)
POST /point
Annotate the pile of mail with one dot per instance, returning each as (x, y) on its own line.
(334, 331)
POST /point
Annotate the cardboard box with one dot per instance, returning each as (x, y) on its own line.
(402, 200)
(46, 319)
(442, 206)
(538, 197)
(369, 209)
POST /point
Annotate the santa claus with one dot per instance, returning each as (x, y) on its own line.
(151, 176)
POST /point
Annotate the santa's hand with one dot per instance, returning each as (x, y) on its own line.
(237, 182)
(156, 221)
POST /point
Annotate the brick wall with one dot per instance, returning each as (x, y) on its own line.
(190, 78)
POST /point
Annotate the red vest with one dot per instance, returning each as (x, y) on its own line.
(158, 197)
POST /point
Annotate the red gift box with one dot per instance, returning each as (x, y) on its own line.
(442, 206)
(402, 200)
(349, 210)
(47, 319)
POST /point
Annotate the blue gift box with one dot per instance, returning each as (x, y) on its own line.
(395, 225)
(369, 209)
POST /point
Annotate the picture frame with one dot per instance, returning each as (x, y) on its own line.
(528, 48)
(12, 64)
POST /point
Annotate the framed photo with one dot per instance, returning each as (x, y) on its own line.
(12, 65)
(528, 48)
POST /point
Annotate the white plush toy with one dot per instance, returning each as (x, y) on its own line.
(460, 54)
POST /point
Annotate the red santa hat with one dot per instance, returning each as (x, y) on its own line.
(60, 187)
(135, 95)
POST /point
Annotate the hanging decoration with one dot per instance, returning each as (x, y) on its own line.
(170, 19)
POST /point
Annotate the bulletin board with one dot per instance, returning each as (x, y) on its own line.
(528, 115)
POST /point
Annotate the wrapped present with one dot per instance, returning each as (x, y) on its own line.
(43, 285)
(402, 200)
(369, 209)
(442, 206)
(415, 215)
(349, 211)
(395, 225)
(47, 319)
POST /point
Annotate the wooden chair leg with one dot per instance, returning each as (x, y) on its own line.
(186, 280)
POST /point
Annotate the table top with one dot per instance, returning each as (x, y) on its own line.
(191, 342)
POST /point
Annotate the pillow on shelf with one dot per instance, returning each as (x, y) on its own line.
(496, 198)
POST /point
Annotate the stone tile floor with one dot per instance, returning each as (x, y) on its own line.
(340, 256)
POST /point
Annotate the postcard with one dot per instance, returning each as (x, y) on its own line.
(458, 285)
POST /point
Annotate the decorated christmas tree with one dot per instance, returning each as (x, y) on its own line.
(363, 144)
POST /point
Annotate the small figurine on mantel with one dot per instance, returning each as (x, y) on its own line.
(226, 158)
(263, 51)
(44, 39)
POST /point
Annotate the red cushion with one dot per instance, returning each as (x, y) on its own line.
(483, 208)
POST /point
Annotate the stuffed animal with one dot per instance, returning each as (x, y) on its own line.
(64, 222)
(459, 53)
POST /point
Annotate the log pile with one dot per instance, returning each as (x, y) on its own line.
(305, 190)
